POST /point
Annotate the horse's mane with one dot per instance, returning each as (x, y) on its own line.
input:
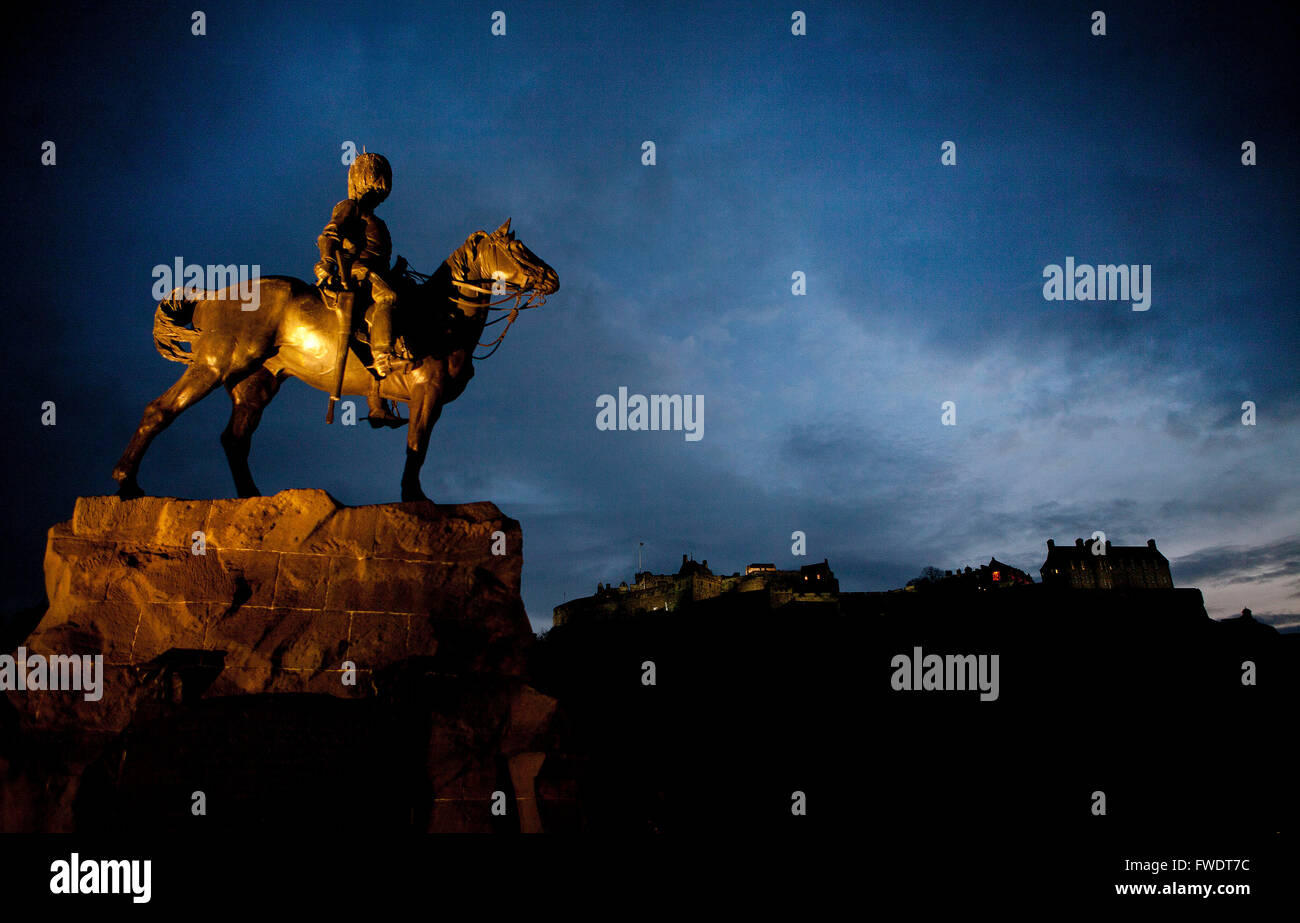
(429, 322)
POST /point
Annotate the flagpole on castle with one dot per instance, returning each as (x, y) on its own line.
(639, 546)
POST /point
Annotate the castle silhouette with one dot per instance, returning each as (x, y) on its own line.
(694, 582)
(1076, 567)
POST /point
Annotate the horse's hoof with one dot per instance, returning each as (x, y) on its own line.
(414, 496)
(129, 491)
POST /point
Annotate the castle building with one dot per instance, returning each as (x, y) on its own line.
(695, 582)
(995, 575)
(1122, 567)
(991, 576)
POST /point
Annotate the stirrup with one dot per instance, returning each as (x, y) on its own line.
(385, 419)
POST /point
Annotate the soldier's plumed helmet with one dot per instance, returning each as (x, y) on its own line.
(370, 173)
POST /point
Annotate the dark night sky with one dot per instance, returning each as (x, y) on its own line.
(776, 154)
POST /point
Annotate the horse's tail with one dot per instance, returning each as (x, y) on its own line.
(171, 326)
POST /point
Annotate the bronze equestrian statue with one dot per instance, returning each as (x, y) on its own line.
(293, 331)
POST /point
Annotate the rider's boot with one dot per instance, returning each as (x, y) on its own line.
(381, 348)
(380, 413)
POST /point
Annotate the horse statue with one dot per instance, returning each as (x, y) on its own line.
(294, 332)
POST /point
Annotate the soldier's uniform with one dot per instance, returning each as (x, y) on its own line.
(356, 244)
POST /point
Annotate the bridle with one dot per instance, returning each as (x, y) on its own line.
(535, 299)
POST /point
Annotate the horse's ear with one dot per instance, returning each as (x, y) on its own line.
(472, 242)
(503, 230)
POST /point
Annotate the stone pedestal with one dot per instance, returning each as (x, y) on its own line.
(193, 602)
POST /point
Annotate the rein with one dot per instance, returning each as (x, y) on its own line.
(535, 300)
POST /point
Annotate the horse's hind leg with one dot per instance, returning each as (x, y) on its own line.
(195, 383)
(250, 397)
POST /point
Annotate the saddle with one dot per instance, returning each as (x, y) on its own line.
(402, 283)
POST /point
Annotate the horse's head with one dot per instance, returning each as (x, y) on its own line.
(497, 257)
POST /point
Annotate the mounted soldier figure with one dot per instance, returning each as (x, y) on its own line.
(355, 250)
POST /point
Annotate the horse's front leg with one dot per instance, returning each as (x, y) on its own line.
(426, 407)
